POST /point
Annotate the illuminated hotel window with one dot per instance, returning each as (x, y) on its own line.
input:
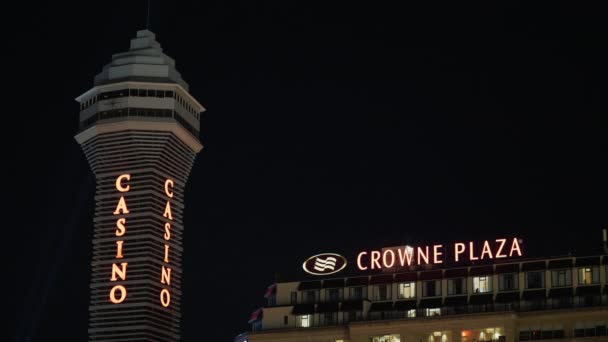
(588, 275)
(508, 282)
(431, 288)
(411, 313)
(482, 284)
(561, 278)
(456, 286)
(386, 338)
(432, 312)
(535, 280)
(407, 290)
(304, 321)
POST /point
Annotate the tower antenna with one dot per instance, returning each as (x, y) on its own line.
(148, 17)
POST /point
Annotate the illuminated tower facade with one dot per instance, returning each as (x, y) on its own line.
(139, 129)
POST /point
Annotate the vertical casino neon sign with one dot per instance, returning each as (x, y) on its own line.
(118, 293)
(165, 276)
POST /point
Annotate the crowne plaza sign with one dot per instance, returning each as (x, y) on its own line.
(407, 256)
(437, 254)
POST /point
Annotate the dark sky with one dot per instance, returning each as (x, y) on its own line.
(327, 129)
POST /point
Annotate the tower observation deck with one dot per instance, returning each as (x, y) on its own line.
(139, 129)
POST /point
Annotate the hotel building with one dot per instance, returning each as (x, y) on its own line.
(139, 130)
(558, 298)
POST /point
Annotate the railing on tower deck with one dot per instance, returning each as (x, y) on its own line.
(120, 114)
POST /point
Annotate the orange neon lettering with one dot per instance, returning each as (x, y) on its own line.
(471, 252)
(486, 250)
(458, 249)
(392, 254)
(121, 207)
(502, 245)
(167, 191)
(437, 254)
(515, 247)
(361, 267)
(119, 185)
(120, 272)
(422, 254)
(119, 244)
(167, 212)
(166, 253)
(375, 257)
(165, 297)
(167, 231)
(165, 277)
(404, 256)
(123, 294)
(120, 226)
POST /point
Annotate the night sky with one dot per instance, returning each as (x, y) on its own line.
(328, 129)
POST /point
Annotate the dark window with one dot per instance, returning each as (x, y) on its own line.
(356, 292)
(507, 282)
(524, 336)
(285, 320)
(160, 93)
(294, 298)
(333, 295)
(535, 280)
(455, 286)
(132, 92)
(535, 335)
(151, 93)
(431, 288)
(329, 318)
(600, 330)
(558, 334)
(547, 335)
(141, 92)
(352, 316)
(579, 332)
(310, 296)
(168, 93)
(382, 292)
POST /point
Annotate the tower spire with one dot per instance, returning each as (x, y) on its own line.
(148, 17)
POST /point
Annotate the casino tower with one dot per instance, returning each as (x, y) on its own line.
(139, 129)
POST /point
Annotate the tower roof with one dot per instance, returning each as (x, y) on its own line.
(145, 62)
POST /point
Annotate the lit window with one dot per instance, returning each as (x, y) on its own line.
(482, 284)
(386, 338)
(588, 275)
(407, 290)
(305, 321)
(433, 312)
(561, 278)
(411, 313)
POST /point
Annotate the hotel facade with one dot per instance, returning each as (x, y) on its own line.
(496, 300)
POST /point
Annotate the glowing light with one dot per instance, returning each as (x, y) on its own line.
(165, 297)
(167, 191)
(120, 226)
(119, 185)
(123, 294)
(121, 208)
(120, 272)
